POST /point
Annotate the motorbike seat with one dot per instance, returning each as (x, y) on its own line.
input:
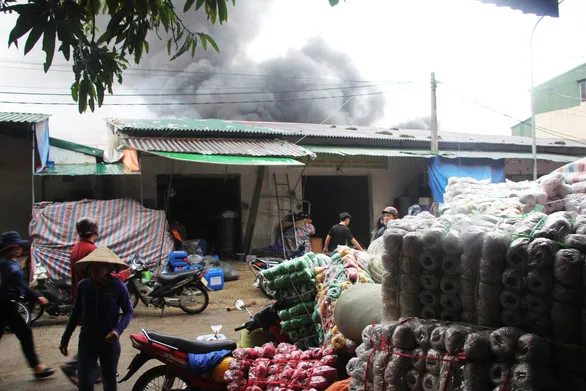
(171, 278)
(64, 283)
(187, 345)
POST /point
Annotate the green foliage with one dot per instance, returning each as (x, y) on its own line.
(100, 59)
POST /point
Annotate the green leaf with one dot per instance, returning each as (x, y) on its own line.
(83, 90)
(334, 2)
(49, 45)
(199, 4)
(212, 42)
(222, 11)
(75, 91)
(22, 26)
(146, 46)
(100, 93)
(32, 39)
(188, 5)
(92, 104)
(204, 42)
(169, 43)
(193, 46)
(183, 49)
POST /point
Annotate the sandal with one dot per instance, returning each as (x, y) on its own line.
(47, 372)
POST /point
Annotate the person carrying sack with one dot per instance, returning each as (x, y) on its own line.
(13, 288)
(97, 306)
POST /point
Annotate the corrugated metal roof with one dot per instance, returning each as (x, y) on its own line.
(450, 154)
(174, 126)
(209, 146)
(31, 118)
(86, 169)
(421, 136)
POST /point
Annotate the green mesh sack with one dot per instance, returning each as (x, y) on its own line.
(301, 309)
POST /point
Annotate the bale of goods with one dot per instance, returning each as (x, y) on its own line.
(356, 308)
(346, 269)
(280, 368)
(527, 272)
(294, 283)
(417, 354)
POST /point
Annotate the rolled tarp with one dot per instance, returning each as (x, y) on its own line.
(357, 308)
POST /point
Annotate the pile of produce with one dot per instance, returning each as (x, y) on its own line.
(416, 354)
(523, 272)
(346, 269)
(294, 283)
(281, 368)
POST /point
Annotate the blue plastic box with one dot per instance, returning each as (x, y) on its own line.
(177, 256)
(215, 279)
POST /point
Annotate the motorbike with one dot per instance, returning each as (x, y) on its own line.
(23, 310)
(256, 266)
(187, 290)
(57, 292)
(173, 352)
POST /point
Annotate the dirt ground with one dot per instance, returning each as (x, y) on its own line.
(15, 375)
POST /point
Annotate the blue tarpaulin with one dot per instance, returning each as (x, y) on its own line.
(441, 169)
(201, 363)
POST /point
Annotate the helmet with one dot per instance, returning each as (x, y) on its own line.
(391, 210)
(86, 227)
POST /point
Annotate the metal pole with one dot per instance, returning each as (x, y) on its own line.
(533, 133)
(34, 129)
(434, 137)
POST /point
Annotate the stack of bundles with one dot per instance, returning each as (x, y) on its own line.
(493, 272)
(347, 269)
(294, 281)
(423, 355)
(281, 368)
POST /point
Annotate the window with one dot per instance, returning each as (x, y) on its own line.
(583, 91)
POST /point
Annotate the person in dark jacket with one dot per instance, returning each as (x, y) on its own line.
(97, 306)
(389, 213)
(14, 288)
(87, 229)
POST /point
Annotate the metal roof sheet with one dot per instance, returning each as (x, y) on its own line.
(210, 146)
(422, 136)
(450, 154)
(231, 160)
(86, 169)
(174, 126)
(31, 118)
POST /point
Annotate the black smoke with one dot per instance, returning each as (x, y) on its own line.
(315, 66)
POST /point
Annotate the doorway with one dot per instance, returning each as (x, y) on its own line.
(197, 203)
(331, 195)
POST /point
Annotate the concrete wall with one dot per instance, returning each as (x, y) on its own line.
(567, 123)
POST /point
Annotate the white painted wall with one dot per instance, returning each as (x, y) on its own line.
(568, 123)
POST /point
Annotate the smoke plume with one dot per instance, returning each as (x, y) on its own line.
(283, 81)
(421, 123)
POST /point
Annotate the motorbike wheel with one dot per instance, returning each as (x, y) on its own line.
(24, 312)
(158, 379)
(36, 311)
(262, 284)
(194, 299)
(133, 299)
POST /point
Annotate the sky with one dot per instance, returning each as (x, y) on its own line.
(480, 55)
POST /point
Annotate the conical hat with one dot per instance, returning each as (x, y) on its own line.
(103, 255)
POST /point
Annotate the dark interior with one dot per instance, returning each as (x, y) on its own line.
(198, 203)
(332, 195)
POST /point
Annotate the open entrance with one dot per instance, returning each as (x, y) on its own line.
(332, 195)
(197, 202)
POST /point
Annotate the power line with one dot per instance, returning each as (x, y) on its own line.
(552, 132)
(209, 103)
(196, 93)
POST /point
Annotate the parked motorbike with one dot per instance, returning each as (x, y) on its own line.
(173, 353)
(23, 311)
(187, 290)
(57, 292)
(256, 266)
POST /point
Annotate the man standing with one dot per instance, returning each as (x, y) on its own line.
(340, 235)
(87, 229)
(389, 213)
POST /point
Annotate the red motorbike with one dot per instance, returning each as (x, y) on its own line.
(173, 352)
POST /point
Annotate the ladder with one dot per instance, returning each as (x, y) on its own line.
(282, 211)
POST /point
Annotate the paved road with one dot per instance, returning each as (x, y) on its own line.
(15, 376)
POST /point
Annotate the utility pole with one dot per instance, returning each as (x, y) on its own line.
(434, 137)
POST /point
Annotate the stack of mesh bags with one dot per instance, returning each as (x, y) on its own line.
(521, 272)
(294, 283)
(422, 355)
(348, 268)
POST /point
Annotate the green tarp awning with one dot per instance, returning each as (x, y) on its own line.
(230, 160)
(86, 169)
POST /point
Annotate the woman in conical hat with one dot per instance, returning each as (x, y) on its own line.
(97, 306)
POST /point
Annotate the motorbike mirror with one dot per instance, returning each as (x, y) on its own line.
(239, 304)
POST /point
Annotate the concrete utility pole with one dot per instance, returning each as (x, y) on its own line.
(533, 125)
(434, 137)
